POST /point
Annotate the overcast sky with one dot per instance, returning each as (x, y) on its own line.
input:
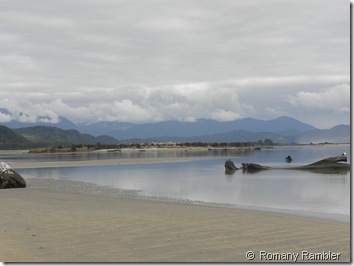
(155, 60)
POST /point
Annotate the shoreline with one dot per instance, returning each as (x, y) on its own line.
(186, 150)
(98, 162)
(121, 161)
(92, 189)
(178, 149)
(47, 224)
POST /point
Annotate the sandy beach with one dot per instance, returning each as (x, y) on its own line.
(40, 225)
(57, 221)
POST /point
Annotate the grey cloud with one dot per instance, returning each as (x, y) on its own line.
(144, 60)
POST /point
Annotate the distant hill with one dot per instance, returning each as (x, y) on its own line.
(337, 134)
(104, 128)
(200, 127)
(231, 136)
(280, 130)
(63, 123)
(10, 140)
(125, 130)
(23, 138)
(53, 135)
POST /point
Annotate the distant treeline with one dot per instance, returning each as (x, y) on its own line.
(99, 146)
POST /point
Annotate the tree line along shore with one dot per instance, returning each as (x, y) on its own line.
(266, 144)
(141, 146)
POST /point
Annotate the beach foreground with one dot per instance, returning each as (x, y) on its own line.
(42, 223)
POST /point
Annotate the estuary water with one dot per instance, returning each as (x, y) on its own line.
(203, 181)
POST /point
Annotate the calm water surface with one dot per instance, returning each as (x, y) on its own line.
(288, 191)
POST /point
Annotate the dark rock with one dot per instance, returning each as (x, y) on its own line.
(9, 178)
(230, 167)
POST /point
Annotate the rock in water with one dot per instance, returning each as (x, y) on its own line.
(230, 167)
(288, 159)
(9, 178)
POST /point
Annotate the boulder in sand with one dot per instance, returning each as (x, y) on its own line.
(9, 178)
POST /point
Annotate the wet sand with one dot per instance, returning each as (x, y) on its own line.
(68, 221)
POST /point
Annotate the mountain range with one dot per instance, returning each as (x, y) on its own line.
(126, 130)
(337, 134)
(194, 129)
(280, 130)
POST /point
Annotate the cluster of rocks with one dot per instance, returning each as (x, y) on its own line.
(9, 178)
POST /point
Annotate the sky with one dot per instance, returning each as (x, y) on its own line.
(154, 60)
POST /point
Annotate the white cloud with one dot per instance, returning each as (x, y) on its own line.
(335, 98)
(26, 111)
(223, 101)
(5, 118)
(224, 115)
(197, 100)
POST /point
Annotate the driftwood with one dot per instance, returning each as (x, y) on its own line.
(9, 178)
(328, 165)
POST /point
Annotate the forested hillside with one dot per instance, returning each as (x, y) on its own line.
(10, 140)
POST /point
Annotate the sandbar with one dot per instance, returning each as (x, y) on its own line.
(41, 223)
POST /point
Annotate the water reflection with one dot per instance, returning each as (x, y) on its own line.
(306, 193)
